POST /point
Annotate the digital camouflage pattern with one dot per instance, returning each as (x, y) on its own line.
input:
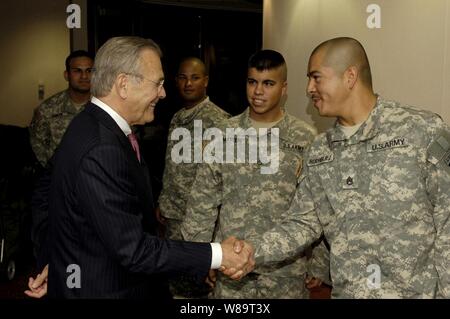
(177, 182)
(250, 204)
(178, 178)
(382, 198)
(50, 121)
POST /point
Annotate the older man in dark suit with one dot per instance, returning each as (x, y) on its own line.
(101, 240)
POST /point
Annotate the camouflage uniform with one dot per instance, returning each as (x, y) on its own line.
(177, 183)
(382, 199)
(251, 203)
(50, 121)
(178, 178)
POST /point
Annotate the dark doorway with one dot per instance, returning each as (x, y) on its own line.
(224, 37)
(222, 33)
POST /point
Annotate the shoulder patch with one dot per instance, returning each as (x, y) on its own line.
(447, 160)
(439, 151)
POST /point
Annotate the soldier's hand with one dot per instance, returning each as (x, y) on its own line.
(312, 282)
(237, 259)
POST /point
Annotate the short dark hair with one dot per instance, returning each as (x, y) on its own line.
(195, 59)
(266, 60)
(77, 54)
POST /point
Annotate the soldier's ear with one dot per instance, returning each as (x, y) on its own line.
(284, 88)
(351, 75)
(66, 75)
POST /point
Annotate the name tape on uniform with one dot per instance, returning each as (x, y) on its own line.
(393, 143)
(320, 160)
(296, 147)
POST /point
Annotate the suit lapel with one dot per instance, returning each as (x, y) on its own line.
(139, 170)
(108, 122)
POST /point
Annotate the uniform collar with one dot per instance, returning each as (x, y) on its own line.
(368, 130)
(193, 115)
(68, 106)
(282, 125)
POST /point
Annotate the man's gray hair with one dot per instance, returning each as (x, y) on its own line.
(118, 55)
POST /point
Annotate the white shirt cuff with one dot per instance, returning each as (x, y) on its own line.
(216, 259)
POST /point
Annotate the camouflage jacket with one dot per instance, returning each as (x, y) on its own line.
(382, 199)
(250, 202)
(50, 121)
(178, 178)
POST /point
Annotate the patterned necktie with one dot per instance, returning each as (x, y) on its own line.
(135, 145)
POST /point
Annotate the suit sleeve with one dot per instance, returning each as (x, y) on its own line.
(106, 194)
(39, 215)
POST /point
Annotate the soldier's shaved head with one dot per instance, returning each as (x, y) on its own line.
(191, 81)
(342, 53)
(194, 61)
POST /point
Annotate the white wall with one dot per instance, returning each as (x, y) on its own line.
(35, 42)
(409, 54)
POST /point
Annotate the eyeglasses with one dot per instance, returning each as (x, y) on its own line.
(159, 84)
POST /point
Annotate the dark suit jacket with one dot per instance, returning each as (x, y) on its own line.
(101, 219)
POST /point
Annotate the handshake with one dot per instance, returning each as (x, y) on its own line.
(237, 258)
(237, 261)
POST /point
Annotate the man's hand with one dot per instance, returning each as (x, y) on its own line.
(162, 223)
(159, 217)
(237, 258)
(38, 286)
(312, 282)
(212, 278)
